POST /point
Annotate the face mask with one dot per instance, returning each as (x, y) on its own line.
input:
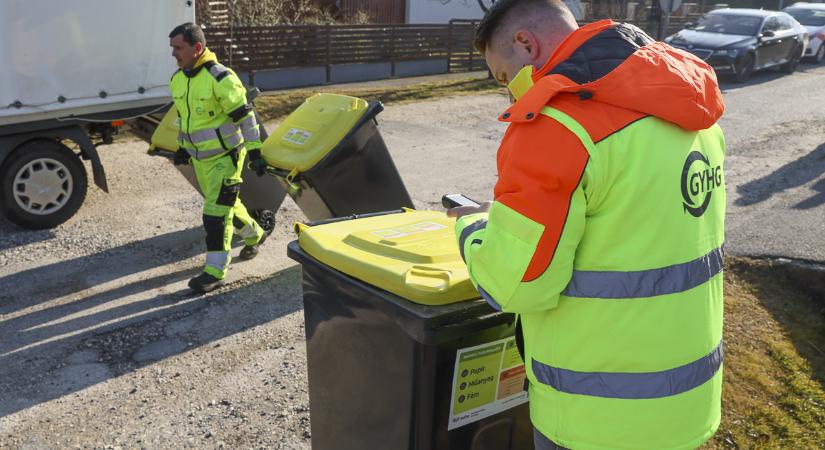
(522, 82)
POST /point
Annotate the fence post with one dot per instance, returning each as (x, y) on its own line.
(450, 47)
(472, 55)
(328, 30)
(392, 51)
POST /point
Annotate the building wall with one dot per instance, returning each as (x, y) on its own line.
(442, 11)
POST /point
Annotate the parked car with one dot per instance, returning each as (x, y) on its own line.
(742, 41)
(812, 17)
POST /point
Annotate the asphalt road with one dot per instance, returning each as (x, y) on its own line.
(775, 131)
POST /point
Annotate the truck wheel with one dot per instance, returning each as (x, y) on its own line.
(43, 184)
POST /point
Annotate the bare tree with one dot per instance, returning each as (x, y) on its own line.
(485, 7)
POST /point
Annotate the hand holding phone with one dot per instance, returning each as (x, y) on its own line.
(450, 201)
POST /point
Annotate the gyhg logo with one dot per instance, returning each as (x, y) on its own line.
(699, 180)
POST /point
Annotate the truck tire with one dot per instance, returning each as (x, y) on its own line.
(43, 184)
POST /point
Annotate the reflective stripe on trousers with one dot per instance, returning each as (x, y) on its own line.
(218, 260)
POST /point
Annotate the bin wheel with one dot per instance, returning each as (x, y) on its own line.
(265, 218)
(43, 184)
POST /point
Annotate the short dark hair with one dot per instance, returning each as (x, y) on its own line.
(502, 9)
(191, 33)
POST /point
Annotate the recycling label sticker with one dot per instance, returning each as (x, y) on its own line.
(296, 136)
(488, 379)
(408, 230)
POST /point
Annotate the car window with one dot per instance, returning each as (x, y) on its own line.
(728, 24)
(808, 17)
(772, 24)
(785, 23)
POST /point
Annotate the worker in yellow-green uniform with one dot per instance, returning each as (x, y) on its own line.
(606, 230)
(217, 128)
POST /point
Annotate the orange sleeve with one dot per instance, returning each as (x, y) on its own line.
(540, 163)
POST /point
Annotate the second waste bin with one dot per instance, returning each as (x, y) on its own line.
(331, 159)
(401, 352)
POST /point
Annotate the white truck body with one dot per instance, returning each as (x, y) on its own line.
(76, 50)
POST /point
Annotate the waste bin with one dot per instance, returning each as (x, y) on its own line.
(401, 352)
(331, 159)
(258, 194)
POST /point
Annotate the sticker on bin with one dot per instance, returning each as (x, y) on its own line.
(488, 379)
(296, 136)
(409, 230)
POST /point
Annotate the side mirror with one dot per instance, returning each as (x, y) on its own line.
(767, 34)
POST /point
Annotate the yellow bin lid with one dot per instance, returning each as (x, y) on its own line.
(412, 254)
(165, 136)
(312, 131)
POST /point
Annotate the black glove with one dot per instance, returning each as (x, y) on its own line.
(181, 158)
(257, 163)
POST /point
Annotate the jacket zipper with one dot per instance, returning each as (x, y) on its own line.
(189, 115)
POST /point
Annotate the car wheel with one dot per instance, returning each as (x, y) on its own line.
(820, 53)
(790, 66)
(43, 184)
(744, 69)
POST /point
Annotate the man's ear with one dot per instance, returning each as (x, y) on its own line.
(198, 48)
(526, 44)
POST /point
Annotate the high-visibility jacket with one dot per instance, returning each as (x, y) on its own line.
(605, 237)
(214, 114)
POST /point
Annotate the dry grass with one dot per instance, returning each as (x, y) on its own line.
(774, 389)
(273, 106)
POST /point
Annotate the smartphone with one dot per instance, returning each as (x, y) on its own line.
(456, 200)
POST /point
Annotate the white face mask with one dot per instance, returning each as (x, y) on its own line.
(522, 82)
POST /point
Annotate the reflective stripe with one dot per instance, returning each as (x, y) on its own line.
(233, 141)
(541, 442)
(228, 129)
(231, 135)
(249, 128)
(631, 385)
(489, 298)
(252, 135)
(248, 232)
(204, 154)
(645, 283)
(218, 71)
(199, 137)
(467, 231)
(218, 260)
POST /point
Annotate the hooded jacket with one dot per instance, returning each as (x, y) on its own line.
(213, 110)
(605, 238)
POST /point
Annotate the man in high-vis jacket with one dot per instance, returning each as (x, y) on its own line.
(606, 230)
(217, 128)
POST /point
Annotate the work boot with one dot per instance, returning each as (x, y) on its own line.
(204, 283)
(250, 251)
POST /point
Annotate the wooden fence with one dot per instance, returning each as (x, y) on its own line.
(253, 49)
